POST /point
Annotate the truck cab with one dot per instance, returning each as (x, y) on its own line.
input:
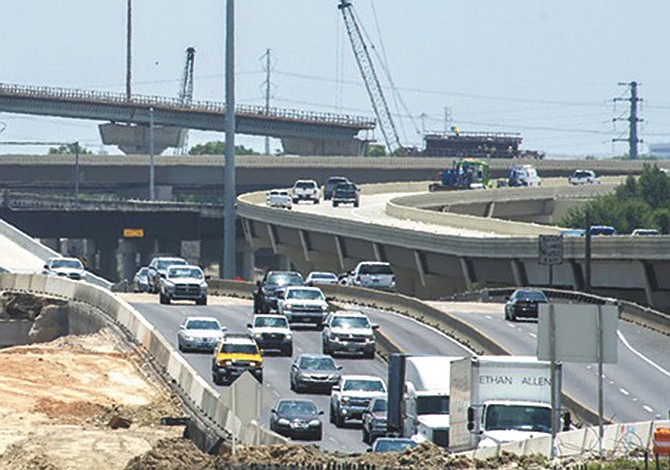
(507, 421)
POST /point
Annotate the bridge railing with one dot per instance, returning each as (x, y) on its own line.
(176, 104)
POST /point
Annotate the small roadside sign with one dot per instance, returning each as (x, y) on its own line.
(550, 249)
(133, 233)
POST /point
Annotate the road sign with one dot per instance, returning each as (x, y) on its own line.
(133, 233)
(550, 249)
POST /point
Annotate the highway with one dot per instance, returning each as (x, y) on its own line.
(635, 389)
(235, 314)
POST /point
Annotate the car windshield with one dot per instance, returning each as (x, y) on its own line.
(317, 363)
(350, 322)
(517, 417)
(305, 185)
(531, 295)
(297, 407)
(323, 276)
(379, 405)
(333, 182)
(164, 263)
(304, 294)
(285, 279)
(364, 385)
(375, 269)
(67, 263)
(202, 325)
(393, 445)
(237, 348)
(185, 272)
(432, 405)
(346, 187)
(272, 322)
(142, 272)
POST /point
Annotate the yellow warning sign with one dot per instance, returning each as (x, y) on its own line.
(133, 233)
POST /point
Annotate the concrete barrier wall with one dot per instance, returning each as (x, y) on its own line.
(198, 392)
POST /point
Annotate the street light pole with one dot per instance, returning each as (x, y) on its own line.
(152, 188)
(229, 264)
(76, 174)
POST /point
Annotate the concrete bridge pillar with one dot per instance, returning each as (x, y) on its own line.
(128, 251)
(108, 266)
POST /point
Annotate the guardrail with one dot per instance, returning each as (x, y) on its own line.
(216, 407)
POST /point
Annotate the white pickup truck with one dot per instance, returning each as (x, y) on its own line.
(278, 198)
(352, 395)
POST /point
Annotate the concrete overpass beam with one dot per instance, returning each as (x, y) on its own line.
(419, 258)
(468, 272)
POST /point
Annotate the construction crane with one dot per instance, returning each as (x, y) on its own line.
(369, 75)
(186, 93)
(186, 90)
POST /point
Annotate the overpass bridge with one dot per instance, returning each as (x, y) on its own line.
(438, 253)
(301, 132)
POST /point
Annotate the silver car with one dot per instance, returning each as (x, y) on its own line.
(71, 268)
(199, 334)
(314, 372)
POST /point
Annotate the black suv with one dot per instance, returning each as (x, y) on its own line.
(346, 193)
(265, 297)
(331, 184)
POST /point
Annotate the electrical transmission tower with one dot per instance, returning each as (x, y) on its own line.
(268, 85)
(632, 119)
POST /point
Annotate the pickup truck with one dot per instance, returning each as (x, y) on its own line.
(183, 282)
(305, 190)
(352, 395)
(278, 198)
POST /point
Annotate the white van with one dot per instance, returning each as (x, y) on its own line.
(525, 175)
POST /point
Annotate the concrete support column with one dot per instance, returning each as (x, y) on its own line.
(519, 273)
(168, 246)
(306, 244)
(341, 255)
(649, 280)
(273, 237)
(468, 274)
(248, 233)
(420, 267)
(53, 243)
(128, 251)
(490, 209)
(380, 253)
(577, 276)
(108, 264)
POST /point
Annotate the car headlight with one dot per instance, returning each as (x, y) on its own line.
(188, 338)
(289, 336)
(203, 285)
(283, 421)
(324, 307)
(228, 363)
(257, 335)
(344, 400)
(288, 307)
(82, 274)
(314, 422)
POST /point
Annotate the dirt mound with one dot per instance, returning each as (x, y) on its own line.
(76, 412)
(277, 454)
(15, 458)
(172, 454)
(16, 306)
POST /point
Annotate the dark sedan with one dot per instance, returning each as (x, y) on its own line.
(297, 419)
(524, 303)
(374, 420)
(314, 372)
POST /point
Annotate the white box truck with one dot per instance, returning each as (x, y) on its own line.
(497, 399)
(418, 397)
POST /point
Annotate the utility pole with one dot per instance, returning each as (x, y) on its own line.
(632, 119)
(129, 39)
(447, 119)
(229, 264)
(267, 96)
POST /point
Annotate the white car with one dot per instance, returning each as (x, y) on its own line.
(272, 332)
(320, 277)
(301, 304)
(305, 190)
(348, 331)
(583, 177)
(278, 198)
(71, 268)
(199, 334)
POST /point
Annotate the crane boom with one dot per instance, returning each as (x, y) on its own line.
(369, 75)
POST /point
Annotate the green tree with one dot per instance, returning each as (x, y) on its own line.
(375, 150)
(218, 147)
(69, 149)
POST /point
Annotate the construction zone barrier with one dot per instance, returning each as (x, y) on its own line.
(661, 444)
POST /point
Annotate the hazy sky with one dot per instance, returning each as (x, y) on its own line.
(548, 69)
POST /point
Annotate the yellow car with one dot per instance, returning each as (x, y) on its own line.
(234, 355)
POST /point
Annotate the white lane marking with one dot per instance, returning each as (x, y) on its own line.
(511, 326)
(624, 391)
(276, 392)
(489, 317)
(640, 355)
(532, 335)
(432, 328)
(332, 439)
(648, 408)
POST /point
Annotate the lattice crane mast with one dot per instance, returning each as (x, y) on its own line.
(369, 75)
(186, 90)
